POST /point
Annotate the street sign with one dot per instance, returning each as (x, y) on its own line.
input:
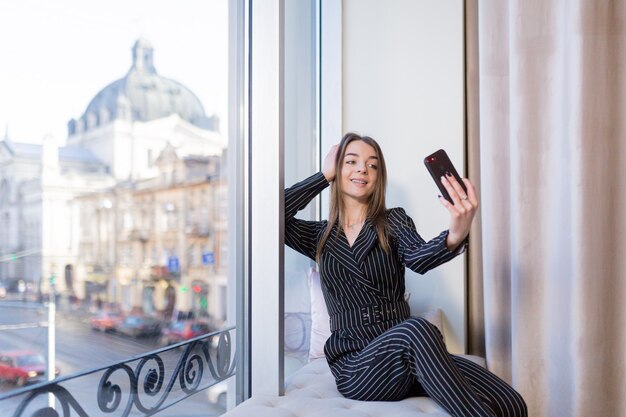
(208, 258)
(172, 264)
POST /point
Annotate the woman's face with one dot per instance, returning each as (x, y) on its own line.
(359, 171)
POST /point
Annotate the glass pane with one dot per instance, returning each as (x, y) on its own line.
(301, 52)
(113, 188)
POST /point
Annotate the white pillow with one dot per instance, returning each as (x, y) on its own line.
(320, 321)
(435, 316)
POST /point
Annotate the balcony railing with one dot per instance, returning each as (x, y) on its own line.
(198, 230)
(142, 235)
(142, 385)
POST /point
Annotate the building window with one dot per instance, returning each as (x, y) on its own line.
(170, 216)
(128, 220)
(191, 256)
(5, 193)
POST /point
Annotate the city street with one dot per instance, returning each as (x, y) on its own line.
(79, 348)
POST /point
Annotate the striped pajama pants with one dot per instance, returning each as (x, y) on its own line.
(411, 359)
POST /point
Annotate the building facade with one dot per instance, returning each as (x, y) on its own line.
(156, 246)
(38, 210)
(125, 212)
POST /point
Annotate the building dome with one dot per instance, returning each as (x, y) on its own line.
(142, 95)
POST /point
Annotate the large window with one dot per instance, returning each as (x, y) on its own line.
(114, 193)
(301, 50)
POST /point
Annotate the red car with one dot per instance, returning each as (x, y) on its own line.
(21, 367)
(106, 321)
(179, 331)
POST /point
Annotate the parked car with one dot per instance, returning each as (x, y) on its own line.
(139, 326)
(22, 367)
(182, 330)
(13, 289)
(106, 321)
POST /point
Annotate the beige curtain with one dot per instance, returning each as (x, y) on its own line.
(547, 142)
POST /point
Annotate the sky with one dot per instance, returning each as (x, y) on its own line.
(55, 56)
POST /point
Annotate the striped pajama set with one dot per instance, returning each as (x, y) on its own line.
(376, 350)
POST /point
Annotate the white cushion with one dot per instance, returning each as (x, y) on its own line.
(311, 392)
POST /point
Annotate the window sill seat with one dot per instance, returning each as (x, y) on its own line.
(311, 392)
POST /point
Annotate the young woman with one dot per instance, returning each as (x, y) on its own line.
(376, 350)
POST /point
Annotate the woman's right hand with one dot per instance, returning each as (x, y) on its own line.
(328, 168)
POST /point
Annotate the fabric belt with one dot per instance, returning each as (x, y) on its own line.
(365, 316)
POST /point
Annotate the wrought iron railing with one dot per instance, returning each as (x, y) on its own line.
(140, 386)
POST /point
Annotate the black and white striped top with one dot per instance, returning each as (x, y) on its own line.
(361, 275)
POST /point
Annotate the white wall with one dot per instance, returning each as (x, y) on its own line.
(402, 72)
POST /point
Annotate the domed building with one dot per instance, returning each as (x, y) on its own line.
(132, 119)
(143, 95)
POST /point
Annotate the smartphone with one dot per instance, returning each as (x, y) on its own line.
(438, 164)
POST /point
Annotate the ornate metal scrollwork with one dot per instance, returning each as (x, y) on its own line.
(139, 383)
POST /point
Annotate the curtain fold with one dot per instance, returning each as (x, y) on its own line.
(547, 118)
(476, 313)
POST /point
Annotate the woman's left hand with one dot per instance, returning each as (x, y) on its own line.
(461, 212)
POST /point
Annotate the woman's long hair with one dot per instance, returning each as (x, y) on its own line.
(376, 210)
